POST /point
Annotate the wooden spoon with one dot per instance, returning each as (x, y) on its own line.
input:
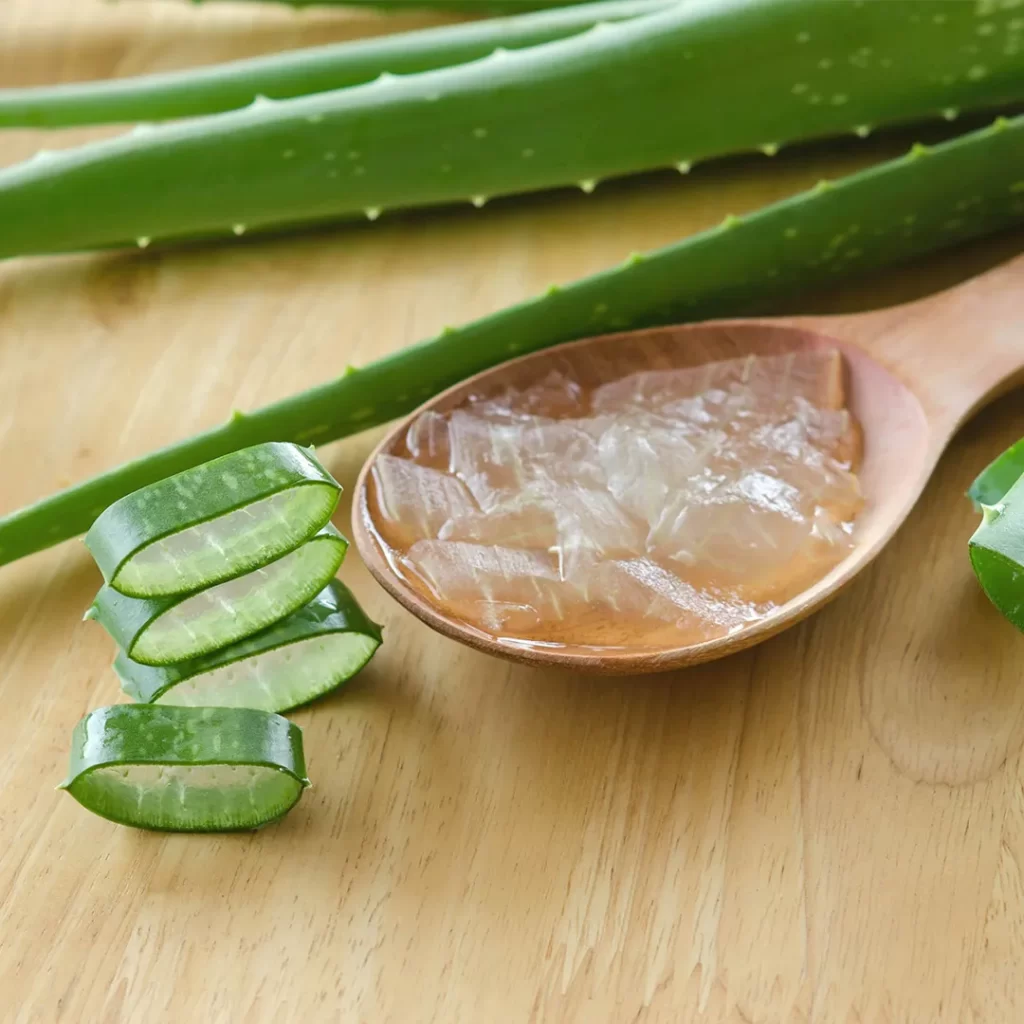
(916, 373)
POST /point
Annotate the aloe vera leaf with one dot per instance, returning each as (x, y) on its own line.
(997, 553)
(696, 80)
(452, 6)
(209, 90)
(926, 200)
(186, 769)
(213, 522)
(302, 657)
(998, 477)
(163, 630)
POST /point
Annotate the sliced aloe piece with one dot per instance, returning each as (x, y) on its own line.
(997, 553)
(186, 769)
(213, 522)
(310, 653)
(999, 476)
(163, 630)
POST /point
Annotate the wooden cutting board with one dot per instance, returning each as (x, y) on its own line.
(827, 828)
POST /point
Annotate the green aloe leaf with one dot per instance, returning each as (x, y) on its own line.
(998, 477)
(930, 199)
(219, 87)
(302, 657)
(186, 769)
(997, 553)
(453, 6)
(164, 630)
(692, 81)
(213, 522)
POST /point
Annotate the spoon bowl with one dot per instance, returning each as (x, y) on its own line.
(914, 374)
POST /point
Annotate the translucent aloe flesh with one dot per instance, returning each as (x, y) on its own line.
(997, 553)
(160, 631)
(310, 653)
(209, 90)
(998, 477)
(695, 80)
(213, 522)
(927, 200)
(186, 769)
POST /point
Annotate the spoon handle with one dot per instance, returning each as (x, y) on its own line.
(957, 349)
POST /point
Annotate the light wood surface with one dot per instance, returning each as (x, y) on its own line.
(828, 827)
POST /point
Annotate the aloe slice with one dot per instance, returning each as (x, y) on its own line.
(213, 522)
(999, 476)
(186, 769)
(162, 630)
(310, 653)
(997, 553)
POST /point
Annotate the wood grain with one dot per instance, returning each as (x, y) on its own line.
(827, 828)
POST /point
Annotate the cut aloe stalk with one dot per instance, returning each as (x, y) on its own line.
(186, 769)
(213, 522)
(997, 553)
(310, 653)
(163, 630)
(998, 477)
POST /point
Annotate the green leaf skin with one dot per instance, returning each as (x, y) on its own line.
(334, 611)
(202, 494)
(134, 621)
(261, 752)
(699, 79)
(210, 90)
(997, 553)
(927, 200)
(998, 477)
(453, 6)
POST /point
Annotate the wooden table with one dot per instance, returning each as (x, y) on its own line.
(827, 828)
